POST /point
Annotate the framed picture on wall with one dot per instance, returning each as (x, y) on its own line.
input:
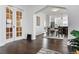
(38, 20)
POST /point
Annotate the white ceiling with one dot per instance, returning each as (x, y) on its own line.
(48, 10)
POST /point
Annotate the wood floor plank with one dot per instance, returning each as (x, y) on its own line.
(32, 47)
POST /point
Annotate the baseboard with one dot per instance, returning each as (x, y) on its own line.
(33, 39)
(40, 34)
(2, 44)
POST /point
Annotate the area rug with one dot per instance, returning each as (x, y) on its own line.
(47, 51)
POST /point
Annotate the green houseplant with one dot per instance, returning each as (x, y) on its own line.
(75, 42)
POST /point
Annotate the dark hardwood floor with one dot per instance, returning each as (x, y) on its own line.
(32, 47)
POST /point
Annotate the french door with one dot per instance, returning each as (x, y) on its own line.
(18, 24)
(13, 23)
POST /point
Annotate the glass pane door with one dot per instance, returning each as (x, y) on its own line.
(13, 23)
(9, 18)
(18, 23)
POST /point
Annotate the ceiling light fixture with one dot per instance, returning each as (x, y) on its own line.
(55, 9)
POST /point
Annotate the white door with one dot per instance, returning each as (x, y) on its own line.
(9, 23)
(18, 21)
(13, 24)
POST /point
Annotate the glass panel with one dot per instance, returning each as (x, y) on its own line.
(20, 33)
(10, 29)
(7, 29)
(20, 28)
(9, 16)
(7, 10)
(7, 35)
(10, 35)
(18, 23)
(17, 34)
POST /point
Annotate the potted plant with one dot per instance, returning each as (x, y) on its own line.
(75, 42)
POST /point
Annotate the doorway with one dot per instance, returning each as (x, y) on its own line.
(55, 22)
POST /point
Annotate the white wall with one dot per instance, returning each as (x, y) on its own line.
(35, 9)
(73, 17)
(2, 36)
(40, 29)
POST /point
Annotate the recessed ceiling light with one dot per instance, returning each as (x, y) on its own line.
(55, 9)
